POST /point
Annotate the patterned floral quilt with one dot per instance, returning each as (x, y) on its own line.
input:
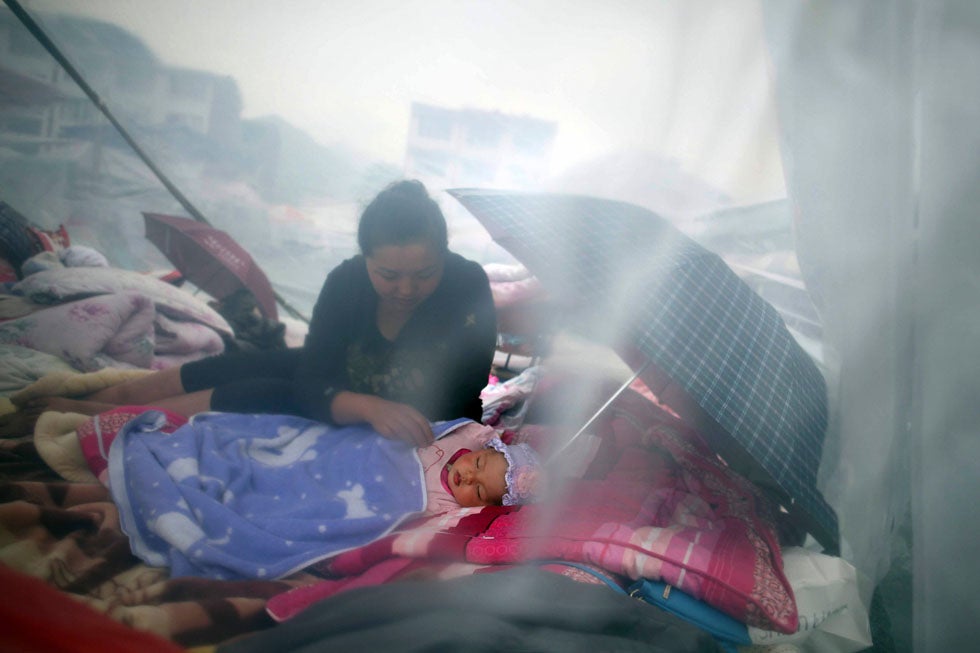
(94, 318)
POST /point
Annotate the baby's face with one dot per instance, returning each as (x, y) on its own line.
(477, 478)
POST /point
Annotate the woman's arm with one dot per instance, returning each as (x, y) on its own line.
(479, 345)
(471, 344)
(322, 371)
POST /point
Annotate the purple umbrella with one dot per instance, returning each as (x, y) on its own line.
(677, 313)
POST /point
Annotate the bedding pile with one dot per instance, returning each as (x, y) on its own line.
(91, 318)
(653, 503)
(647, 500)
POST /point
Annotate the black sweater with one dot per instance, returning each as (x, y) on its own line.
(439, 362)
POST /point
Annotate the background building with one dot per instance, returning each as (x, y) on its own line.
(449, 148)
(134, 82)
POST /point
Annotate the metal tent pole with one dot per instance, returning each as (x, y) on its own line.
(601, 410)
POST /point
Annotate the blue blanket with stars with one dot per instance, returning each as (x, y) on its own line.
(234, 496)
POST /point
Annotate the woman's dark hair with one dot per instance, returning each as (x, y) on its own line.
(400, 214)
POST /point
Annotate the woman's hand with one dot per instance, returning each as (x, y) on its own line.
(400, 422)
(389, 418)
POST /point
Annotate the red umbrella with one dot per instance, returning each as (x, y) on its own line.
(210, 259)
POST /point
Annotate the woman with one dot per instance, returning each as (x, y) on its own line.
(401, 334)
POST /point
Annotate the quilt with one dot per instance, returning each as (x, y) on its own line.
(652, 501)
(121, 330)
(22, 366)
(66, 284)
(68, 535)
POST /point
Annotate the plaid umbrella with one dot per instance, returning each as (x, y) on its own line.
(635, 282)
(210, 259)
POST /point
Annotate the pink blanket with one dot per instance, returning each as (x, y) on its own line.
(654, 503)
(124, 329)
(91, 333)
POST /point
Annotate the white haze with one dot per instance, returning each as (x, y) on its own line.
(685, 80)
(861, 115)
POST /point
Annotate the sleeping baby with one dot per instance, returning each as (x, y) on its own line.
(471, 466)
(228, 495)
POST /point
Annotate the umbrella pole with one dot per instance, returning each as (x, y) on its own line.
(601, 410)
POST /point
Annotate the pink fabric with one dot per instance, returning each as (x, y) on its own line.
(124, 329)
(90, 333)
(96, 434)
(655, 503)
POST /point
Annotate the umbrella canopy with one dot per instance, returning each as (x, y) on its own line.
(630, 279)
(210, 259)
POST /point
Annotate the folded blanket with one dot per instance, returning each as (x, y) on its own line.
(171, 327)
(89, 334)
(67, 284)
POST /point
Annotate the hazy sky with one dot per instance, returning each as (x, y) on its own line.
(685, 79)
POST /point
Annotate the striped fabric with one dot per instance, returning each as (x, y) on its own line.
(640, 281)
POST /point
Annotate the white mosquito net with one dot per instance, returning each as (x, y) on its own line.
(826, 150)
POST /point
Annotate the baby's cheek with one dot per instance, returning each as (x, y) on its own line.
(467, 498)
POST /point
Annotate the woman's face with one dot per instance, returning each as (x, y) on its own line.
(404, 275)
(478, 478)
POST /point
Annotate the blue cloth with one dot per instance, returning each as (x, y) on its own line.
(234, 496)
(728, 631)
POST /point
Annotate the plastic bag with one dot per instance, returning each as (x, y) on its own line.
(833, 614)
